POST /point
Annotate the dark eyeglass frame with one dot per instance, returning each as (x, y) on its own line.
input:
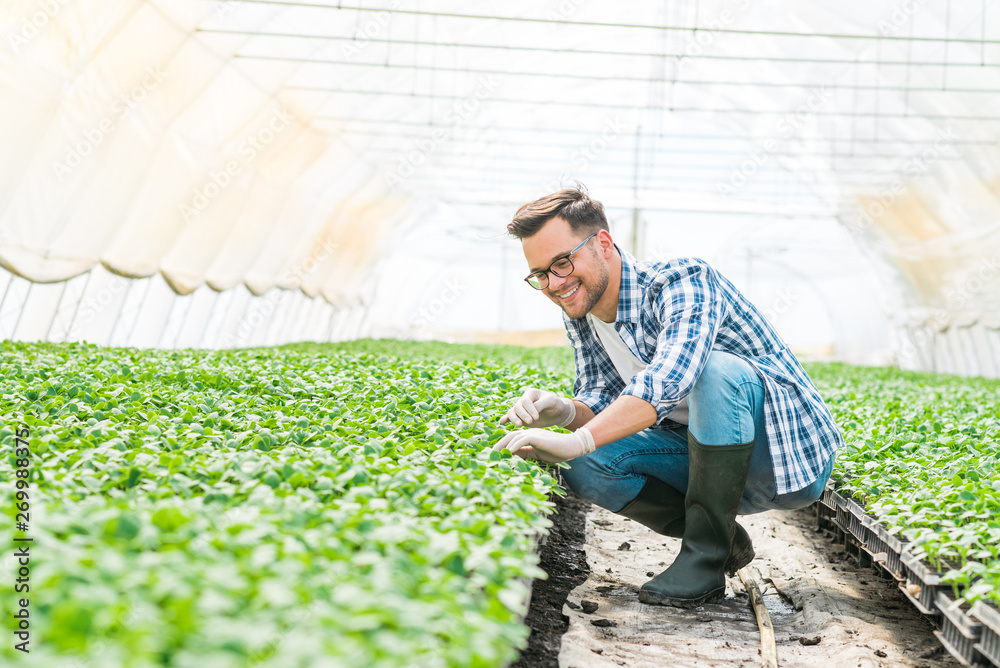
(550, 270)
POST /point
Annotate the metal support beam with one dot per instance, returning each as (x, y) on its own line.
(55, 313)
(76, 309)
(121, 310)
(13, 332)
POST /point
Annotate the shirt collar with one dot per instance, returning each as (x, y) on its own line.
(629, 295)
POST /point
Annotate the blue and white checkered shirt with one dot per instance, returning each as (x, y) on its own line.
(672, 315)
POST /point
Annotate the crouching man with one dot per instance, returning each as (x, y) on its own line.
(688, 408)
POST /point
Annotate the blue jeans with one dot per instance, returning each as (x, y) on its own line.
(725, 407)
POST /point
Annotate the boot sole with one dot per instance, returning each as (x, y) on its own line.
(653, 598)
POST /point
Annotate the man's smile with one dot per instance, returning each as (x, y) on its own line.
(569, 293)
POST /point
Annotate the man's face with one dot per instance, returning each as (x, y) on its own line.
(578, 293)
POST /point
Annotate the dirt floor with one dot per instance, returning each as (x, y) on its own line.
(826, 610)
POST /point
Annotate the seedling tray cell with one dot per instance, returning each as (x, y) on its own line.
(959, 633)
(922, 584)
(989, 642)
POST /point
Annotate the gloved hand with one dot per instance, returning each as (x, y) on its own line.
(547, 446)
(540, 408)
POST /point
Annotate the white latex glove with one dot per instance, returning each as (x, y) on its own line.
(547, 446)
(540, 408)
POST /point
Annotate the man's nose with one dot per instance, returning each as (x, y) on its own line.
(556, 282)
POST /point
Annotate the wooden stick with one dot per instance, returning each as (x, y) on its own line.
(768, 649)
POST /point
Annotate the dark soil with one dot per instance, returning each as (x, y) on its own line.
(563, 558)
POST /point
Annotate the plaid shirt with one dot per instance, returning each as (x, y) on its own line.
(671, 315)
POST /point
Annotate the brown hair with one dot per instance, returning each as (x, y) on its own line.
(573, 205)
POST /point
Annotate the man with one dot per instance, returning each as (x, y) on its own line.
(688, 408)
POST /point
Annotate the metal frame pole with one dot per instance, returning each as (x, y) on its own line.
(364, 320)
(4, 300)
(118, 317)
(180, 330)
(329, 325)
(208, 321)
(170, 315)
(17, 322)
(243, 317)
(76, 311)
(135, 321)
(282, 297)
(55, 313)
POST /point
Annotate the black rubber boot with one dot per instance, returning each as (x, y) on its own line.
(717, 476)
(660, 507)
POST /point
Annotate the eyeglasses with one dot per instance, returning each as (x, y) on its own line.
(561, 267)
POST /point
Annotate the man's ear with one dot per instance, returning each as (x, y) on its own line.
(607, 244)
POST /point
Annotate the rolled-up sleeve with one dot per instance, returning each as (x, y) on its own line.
(691, 308)
(589, 387)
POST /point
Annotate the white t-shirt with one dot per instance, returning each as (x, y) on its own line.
(626, 362)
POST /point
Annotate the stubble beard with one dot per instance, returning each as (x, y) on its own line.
(595, 291)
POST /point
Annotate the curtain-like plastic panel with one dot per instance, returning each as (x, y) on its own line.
(61, 105)
(135, 145)
(281, 216)
(943, 240)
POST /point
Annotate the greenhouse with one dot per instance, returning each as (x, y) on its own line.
(283, 385)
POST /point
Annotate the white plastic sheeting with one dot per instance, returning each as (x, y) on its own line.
(837, 159)
(131, 143)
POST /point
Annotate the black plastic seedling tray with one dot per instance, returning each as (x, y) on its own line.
(856, 519)
(826, 510)
(971, 636)
(895, 548)
(877, 548)
(922, 584)
(989, 642)
(959, 632)
(843, 518)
